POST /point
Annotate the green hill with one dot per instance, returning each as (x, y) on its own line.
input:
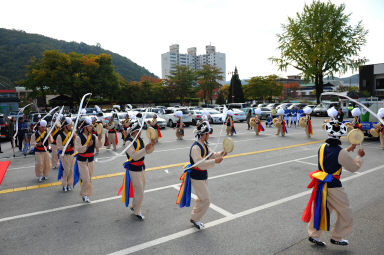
(17, 48)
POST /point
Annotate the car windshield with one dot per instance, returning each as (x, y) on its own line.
(149, 115)
(197, 112)
(185, 111)
(157, 110)
(90, 110)
(265, 109)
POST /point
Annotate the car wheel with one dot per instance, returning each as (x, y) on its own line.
(194, 122)
(170, 123)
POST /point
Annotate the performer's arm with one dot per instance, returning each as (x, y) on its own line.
(59, 143)
(33, 140)
(136, 155)
(80, 148)
(348, 162)
(196, 156)
(98, 141)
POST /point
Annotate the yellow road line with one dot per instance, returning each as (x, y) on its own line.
(45, 185)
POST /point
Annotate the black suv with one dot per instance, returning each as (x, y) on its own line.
(4, 131)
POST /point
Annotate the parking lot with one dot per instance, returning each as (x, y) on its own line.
(257, 194)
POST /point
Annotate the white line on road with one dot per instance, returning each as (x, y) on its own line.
(304, 162)
(189, 231)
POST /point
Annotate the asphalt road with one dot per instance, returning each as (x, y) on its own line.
(258, 195)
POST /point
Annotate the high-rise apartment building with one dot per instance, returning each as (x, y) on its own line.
(173, 58)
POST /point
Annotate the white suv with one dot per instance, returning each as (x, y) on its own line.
(170, 117)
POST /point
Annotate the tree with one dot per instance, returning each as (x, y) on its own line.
(181, 80)
(319, 41)
(263, 88)
(236, 94)
(73, 75)
(208, 79)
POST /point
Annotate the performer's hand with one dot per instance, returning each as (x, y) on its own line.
(148, 147)
(351, 147)
(153, 141)
(361, 153)
(39, 144)
(223, 153)
(100, 137)
(90, 143)
(218, 160)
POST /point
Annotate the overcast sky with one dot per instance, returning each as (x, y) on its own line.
(245, 30)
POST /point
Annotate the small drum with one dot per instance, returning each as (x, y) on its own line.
(374, 132)
(349, 127)
(181, 132)
(252, 122)
(151, 133)
(99, 129)
(276, 122)
(303, 122)
(355, 136)
(228, 145)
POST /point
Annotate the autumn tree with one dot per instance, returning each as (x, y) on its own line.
(180, 81)
(208, 79)
(320, 41)
(263, 88)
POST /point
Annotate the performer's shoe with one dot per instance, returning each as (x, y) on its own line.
(197, 224)
(316, 241)
(55, 167)
(65, 188)
(341, 242)
(1, 151)
(69, 188)
(86, 199)
(140, 216)
(40, 179)
(132, 209)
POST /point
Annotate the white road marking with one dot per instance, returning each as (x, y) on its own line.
(189, 231)
(308, 163)
(212, 206)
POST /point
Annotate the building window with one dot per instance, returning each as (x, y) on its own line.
(380, 83)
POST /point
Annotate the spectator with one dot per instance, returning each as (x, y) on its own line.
(340, 115)
(11, 130)
(249, 115)
(23, 128)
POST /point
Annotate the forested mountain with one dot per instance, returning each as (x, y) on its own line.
(17, 48)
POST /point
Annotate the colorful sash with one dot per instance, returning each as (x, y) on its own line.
(310, 127)
(260, 127)
(127, 187)
(284, 127)
(55, 132)
(66, 138)
(76, 171)
(61, 168)
(184, 196)
(319, 185)
(40, 137)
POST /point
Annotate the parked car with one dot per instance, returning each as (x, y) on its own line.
(239, 115)
(4, 131)
(297, 106)
(237, 105)
(170, 117)
(196, 116)
(265, 112)
(15, 114)
(261, 105)
(160, 121)
(321, 109)
(272, 106)
(284, 106)
(214, 116)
